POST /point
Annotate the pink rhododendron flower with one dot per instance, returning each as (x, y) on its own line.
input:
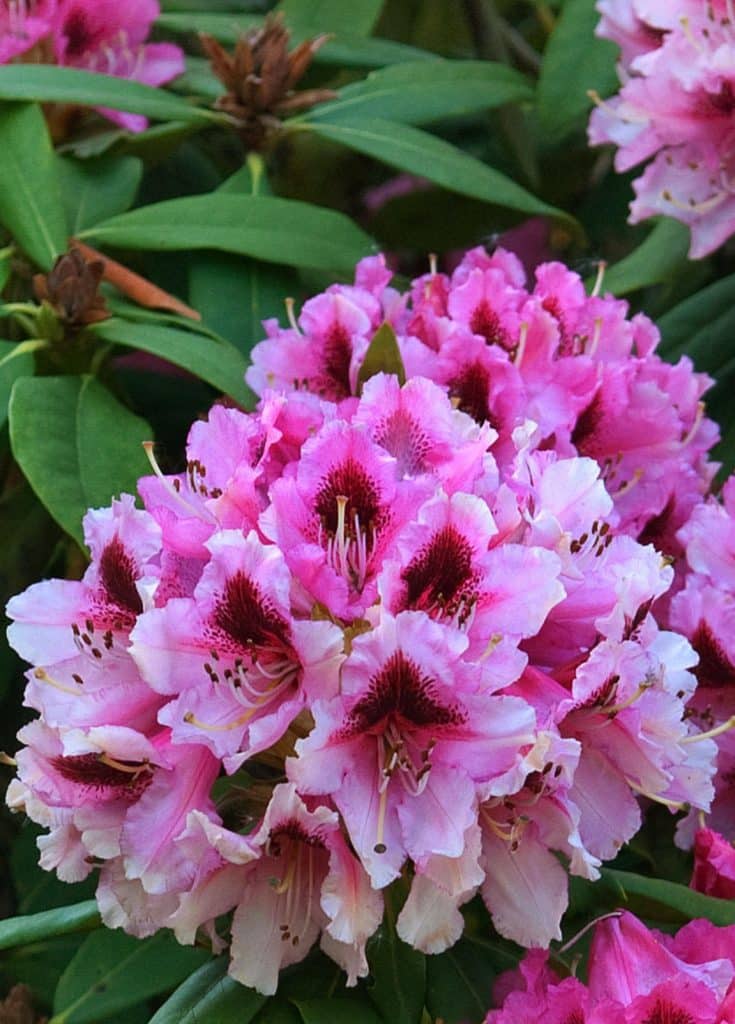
(96, 35)
(460, 616)
(634, 976)
(676, 105)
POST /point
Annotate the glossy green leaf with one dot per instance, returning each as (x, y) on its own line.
(216, 362)
(702, 326)
(398, 977)
(21, 931)
(209, 996)
(416, 151)
(346, 47)
(575, 61)
(459, 982)
(357, 16)
(277, 230)
(336, 1011)
(687, 902)
(93, 190)
(278, 1011)
(383, 356)
(235, 294)
(112, 971)
(76, 444)
(416, 93)
(654, 261)
(18, 362)
(30, 198)
(43, 82)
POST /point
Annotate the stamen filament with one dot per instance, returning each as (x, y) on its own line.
(675, 804)
(44, 677)
(711, 733)
(601, 268)
(200, 513)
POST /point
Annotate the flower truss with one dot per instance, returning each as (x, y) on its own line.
(635, 976)
(95, 35)
(676, 104)
(380, 630)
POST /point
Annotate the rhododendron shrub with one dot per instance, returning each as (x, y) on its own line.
(675, 105)
(380, 631)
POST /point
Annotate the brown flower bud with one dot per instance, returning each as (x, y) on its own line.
(260, 75)
(72, 290)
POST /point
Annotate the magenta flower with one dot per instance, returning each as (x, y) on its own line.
(97, 35)
(634, 976)
(23, 23)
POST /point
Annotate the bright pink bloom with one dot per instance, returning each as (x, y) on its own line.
(714, 865)
(23, 23)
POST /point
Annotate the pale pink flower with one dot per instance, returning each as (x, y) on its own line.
(402, 747)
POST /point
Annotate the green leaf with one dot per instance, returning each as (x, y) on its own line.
(335, 1011)
(46, 82)
(358, 16)
(93, 190)
(21, 931)
(383, 356)
(398, 975)
(416, 151)
(276, 230)
(235, 294)
(687, 902)
(30, 198)
(216, 362)
(575, 61)
(419, 92)
(656, 260)
(18, 362)
(702, 326)
(346, 48)
(112, 970)
(209, 996)
(459, 982)
(277, 1011)
(76, 444)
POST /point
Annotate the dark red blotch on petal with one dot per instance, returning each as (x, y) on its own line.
(349, 480)
(439, 572)
(337, 359)
(92, 771)
(471, 387)
(400, 690)
(486, 322)
(665, 1012)
(78, 33)
(714, 668)
(117, 573)
(244, 615)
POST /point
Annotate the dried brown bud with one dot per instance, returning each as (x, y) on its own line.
(260, 75)
(17, 1008)
(72, 289)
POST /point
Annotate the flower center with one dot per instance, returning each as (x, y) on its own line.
(350, 517)
(439, 579)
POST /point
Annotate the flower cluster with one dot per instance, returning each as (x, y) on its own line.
(379, 629)
(676, 104)
(96, 35)
(635, 976)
